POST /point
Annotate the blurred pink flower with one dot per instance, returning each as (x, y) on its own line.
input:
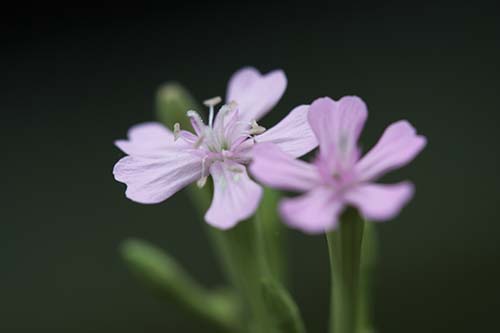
(339, 177)
(162, 162)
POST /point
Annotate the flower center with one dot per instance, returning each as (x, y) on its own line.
(225, 131)
(222, 138)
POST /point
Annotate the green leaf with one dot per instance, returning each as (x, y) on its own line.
(168, 280)
(172, 103)
(282, 309)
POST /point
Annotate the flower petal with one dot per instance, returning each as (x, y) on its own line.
(152, 180)
(398, 146)
(337, 126)
(146, 139)
(236, 196)
(255, 93)
(380, 202)
(315, 212)
(293, 135)
(274, 168)
(149, 131)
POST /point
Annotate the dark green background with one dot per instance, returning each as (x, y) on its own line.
(73, 82)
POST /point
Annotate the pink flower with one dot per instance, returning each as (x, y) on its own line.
(162, 162)
(339, 177)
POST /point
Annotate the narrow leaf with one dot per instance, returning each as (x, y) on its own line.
(282, 309)
(168, 280)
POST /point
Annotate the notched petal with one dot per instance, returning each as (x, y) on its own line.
(236, 196)
(256, 93)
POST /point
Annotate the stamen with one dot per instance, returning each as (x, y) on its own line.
(194, 115)
(177, 131)
(203, 165)
(256, 129)
(211, 103)
(196, 121)
(201, 182)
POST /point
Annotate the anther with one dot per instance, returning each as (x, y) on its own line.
(211, 102)
(177, 131)
(256, 129)
(193, 114)
(201, 182)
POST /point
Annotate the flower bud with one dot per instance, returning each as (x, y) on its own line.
(172, 103)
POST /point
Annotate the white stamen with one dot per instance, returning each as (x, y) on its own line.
(203, 165)
(211, 103)
(195, 116)
(177, 131)
(201, 182)
(256, 129)
(211, 116)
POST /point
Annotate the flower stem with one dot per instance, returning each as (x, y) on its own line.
(243, 261)
(243, 253)
(272, 234)
(344, 246)
(368, 262)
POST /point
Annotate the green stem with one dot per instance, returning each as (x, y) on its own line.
(272, 236)
(244, 261)
(368, 263)
(244, 266)
(344, 246)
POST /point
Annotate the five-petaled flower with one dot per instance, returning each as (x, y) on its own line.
(339, 176)
(162, 162)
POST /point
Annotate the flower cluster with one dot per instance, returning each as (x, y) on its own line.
(160, 162)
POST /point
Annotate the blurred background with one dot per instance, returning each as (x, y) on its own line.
(77, 79)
